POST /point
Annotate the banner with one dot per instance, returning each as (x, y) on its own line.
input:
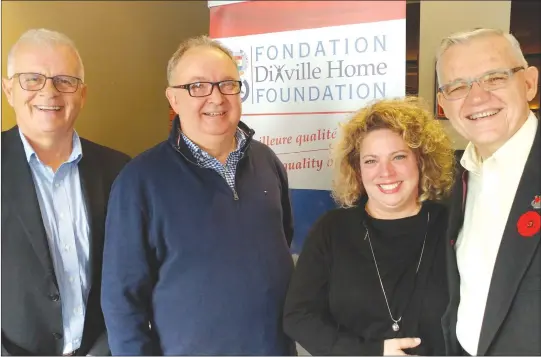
(305, 67)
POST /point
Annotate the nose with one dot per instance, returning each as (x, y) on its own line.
(49, 87)
(477, 93)
(387, 169)
(216, 96)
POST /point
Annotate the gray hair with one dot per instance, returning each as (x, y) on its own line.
(198, 41)
(43, 37)
(464, 37)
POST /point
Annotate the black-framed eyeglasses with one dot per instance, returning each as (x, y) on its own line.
(489, 81)
(36, 81)
(204, 89)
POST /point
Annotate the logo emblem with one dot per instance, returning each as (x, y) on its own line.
(536, 203)
(244, 91)
(242, 61)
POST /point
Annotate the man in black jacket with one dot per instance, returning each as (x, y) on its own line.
(55, 188)
(494, 254)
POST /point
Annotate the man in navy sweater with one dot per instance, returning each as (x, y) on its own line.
(196, 258)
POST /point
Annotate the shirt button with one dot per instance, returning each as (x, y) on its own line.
(54, 297)
(67, 248)
(61, 215)
(57, 335)
(71, 279)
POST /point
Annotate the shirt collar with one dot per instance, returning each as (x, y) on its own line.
(515, 150)
(76, 152)
(240, 137)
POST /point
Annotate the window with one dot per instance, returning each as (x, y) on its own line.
(413, 12)
(526, 27)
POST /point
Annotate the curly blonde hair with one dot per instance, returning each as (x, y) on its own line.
(424, 135)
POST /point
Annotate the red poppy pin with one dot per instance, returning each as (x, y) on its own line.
(529, 224)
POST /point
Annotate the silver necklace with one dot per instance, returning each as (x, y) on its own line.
(395, 326)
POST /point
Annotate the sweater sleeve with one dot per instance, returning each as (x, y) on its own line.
(127, 280)
(287, 218)
(307, 316)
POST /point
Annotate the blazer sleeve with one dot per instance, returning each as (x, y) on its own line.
(307, 316)
(128, 272)
(4, 351)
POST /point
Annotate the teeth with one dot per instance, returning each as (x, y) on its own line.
(45, 107)
(483, 114)
(215, 114)
(390, 187)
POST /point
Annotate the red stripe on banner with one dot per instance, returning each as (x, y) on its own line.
(292, 113)
(300, 152)
(258, 17)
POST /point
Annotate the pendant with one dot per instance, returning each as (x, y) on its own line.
(396, 327)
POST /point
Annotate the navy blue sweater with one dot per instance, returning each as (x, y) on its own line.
(209, 273)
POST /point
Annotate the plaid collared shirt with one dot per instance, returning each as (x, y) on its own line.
(228, 170)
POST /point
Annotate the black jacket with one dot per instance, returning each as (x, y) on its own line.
(31, 301)
(512, 320)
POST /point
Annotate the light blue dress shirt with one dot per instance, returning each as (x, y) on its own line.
(65, 219)
(227, 170)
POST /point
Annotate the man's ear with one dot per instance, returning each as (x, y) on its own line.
(7, 86)
(441, 101)
(531, 75)
(171, 97)
(83, 95)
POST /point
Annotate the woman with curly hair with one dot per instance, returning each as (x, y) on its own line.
(371, 277)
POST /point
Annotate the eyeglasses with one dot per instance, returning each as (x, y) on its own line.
(489, 81)
(204, 89)
(35, 81)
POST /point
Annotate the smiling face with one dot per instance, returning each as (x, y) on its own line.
(389, 173)
(487, 118)
(211, 118)
(46, 112)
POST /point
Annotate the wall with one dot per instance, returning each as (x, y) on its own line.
(441, 18)
(126, 107)
(125, 46)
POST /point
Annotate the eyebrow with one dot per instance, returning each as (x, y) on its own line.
(203, 79)
(462, 79)
(391, 154)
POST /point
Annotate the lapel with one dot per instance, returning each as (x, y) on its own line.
(93, 188)
(454, 225)
(516, 251)
(456, 220)
(19, 189)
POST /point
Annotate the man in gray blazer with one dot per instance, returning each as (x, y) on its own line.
(55, 188)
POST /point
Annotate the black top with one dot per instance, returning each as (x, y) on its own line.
(335, 304)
